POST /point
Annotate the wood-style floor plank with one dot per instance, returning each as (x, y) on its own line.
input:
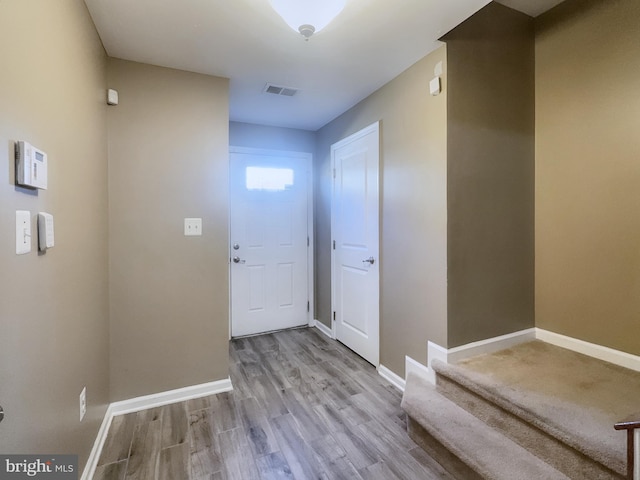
(274, 467)
(204, 448)
(118, 442)
(111, 471)
(175, 425)
(173, 463)
(145, 449)
(303, 407)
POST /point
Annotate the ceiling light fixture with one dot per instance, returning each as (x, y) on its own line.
(308, 16)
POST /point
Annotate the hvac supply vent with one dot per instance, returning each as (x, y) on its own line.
(280, 90)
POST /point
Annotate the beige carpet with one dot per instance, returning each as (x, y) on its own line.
(576, 396)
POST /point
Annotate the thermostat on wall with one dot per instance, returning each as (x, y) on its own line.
(31, 166)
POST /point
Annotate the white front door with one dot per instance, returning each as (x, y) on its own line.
(356, 237)
(269, 246)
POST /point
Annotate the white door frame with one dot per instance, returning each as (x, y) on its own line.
(308, 159)
(374, 127)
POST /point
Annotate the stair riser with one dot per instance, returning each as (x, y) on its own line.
(554, 452)
(450, 462)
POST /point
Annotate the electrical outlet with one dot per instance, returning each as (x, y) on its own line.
(83, 402)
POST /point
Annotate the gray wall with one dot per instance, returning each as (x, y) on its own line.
(490, 177)
(249, 135)
(413, 210)
(54, 332)
(168, 159)
(588, 172)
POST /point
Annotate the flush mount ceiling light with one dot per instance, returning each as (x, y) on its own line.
(308, 16)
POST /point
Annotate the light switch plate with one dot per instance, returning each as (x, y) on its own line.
(23, 232)
(192, 227)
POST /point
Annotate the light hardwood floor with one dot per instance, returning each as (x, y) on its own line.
(303, 407)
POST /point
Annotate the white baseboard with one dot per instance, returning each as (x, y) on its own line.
(415, 367)
(395, 380)
(142, 403)
(96, 450)
(606, 354)
(410, 366)
(435, 352)
(490, 345)
(171, 396)
(323, 328)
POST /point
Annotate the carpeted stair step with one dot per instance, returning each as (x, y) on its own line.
(464, 445)
(551, 429)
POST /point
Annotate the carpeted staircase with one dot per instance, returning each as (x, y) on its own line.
(534, 411)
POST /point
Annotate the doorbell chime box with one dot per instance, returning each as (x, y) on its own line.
(31, 166)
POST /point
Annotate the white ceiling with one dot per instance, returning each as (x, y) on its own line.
(368, 44)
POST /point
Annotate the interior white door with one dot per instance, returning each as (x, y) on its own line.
(356, 238)
(269, 241)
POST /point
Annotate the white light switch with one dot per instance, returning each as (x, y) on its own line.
(192, 227)
(23, 232)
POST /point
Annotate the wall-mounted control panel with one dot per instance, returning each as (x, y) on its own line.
(31, 166)
(45, 231)
(23, 232)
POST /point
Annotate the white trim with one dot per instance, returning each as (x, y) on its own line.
(435, 352)
(600, 352)
(171, 396)
(94, 456)
(490, 345)
(394, 379)
(143, 403)
(636, 472)
(410, 366)
(415, 367)
(323, 328)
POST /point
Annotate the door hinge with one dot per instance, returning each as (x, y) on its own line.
(334, 173)
(307, 240)
(334, 244)
(308, 305)
(334, 316)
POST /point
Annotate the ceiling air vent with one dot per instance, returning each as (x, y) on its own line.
(280, 90)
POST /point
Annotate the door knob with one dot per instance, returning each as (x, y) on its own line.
(236, 246)
(236, 259)
(369, 260)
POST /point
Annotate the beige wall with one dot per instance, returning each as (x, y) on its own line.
(490, 175)
(249, 135)
(53, 307)
(168, 159)
(413, 211)
(588, 172)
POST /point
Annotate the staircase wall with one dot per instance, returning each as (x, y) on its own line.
(490, 175)
(587, 172)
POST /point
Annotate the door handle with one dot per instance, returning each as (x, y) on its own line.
(236, 259)
(369, 260)
(1, 414)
